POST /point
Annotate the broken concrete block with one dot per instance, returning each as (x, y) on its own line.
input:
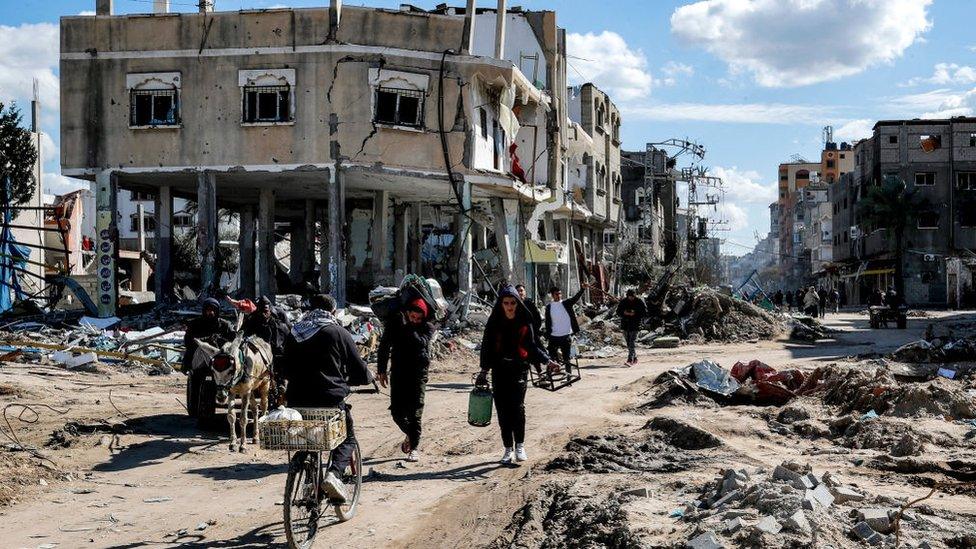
(814, 481)
(822, 495)
(843, 494)
(734, 525)
(637, 492)
(803, 483)
(809, 502)
(876, 518)
(864, 532)
(736, 513)
(769, 525)
(727, 498)
(797, 522)
(707, 540)
(732, 483)
(782, 473)
(743, 475)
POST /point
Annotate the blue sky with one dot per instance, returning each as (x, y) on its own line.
(754, 81)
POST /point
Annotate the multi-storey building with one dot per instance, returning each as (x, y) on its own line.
(357, 132)
(650, 201)
(937, 160)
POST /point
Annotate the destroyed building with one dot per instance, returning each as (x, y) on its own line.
(936, 158)
(440, 133)
(650, 201)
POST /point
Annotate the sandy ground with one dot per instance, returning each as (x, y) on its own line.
(165, 484)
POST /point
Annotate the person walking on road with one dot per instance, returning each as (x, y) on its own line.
(822, 297)
(789, 301)
(532, 308)
(835, 298)
(406, 344)
(811, 301)
(632, 312)
(508, 348)
(561, 324)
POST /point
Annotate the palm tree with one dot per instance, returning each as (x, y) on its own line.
(893, 206)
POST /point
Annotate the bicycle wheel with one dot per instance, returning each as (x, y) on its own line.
(352, 478)
(302, 503)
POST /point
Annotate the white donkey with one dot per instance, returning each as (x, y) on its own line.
(241, 369)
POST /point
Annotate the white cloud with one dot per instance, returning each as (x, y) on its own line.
(26, 52)
(853, 130)
(671, 71)
(745, 113)
(733, 216)
(606, 60)
(744, 185)
(940, 103)
(87, 12)
(784, 43)
(54, 183)
(946, 74)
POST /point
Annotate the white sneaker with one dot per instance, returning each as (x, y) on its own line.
(520, 454)
(413, 456)
(507, 456)
(334, 488)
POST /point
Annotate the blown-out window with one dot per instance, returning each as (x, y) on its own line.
(266, 104)
(399, 107)
(154, 99)
(928, 220)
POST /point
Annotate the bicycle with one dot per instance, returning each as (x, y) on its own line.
(320, 430)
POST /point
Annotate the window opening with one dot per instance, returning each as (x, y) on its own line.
(399, 107)
(153, 108)
(266, 104)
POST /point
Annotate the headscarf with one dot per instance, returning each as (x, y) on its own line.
(212, 303)
(498, 314)
(311, 323)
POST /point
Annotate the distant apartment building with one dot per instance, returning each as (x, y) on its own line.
(937, 159)
(650, 201)
(803, 253)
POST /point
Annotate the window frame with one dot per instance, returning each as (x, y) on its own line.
(254, 80)
(154, 84)
(397, 121)
(971, 184)
(918, 221)
(925, 174)
(259, 90)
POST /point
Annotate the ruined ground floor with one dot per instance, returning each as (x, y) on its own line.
(608, 467)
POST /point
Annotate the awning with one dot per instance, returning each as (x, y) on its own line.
(870, 272)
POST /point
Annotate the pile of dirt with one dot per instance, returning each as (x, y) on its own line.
(937, 350)
(860, 390)
(19, 471)
(719, 317)
(563, 515)
(662, 447)
(793, 507)
(894, 436)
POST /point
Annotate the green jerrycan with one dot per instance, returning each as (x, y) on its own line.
(479, 405)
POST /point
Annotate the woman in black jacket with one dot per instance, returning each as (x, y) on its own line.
(406, 339)
(508, 348)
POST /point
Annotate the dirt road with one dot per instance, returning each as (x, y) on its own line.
(164, 484)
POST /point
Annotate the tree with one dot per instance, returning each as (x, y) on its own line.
(17, 157)
(892, 206)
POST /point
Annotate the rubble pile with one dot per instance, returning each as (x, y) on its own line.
(937, 350)
(744, 383)
(663, 447)
(806, 328)
(792, 506)
(566, 515)
(715, 316)
(859, 390)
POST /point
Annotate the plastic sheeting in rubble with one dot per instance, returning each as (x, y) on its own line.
(712, 377)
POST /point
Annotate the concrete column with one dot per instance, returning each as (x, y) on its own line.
(106, 192)
(416, 236)
(323, 217)
(467, 36)
(206, 6)
(336, 264)
(335, 15)
(500, 31)
(502, 238)
(308, 265)
(381, 231)
(266, 260)
(479, 237)
(140, 227)
(160, 6)
(548, 226)
(400, 241)
(207, 231)
(164, 244)
(246, 247)
(571, 271)
(104, 7)
(463, 225)
(298, 244)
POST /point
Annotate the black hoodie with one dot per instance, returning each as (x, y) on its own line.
(510, 341)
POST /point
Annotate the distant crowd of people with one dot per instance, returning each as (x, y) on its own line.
(811, 301)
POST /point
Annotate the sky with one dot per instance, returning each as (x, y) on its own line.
(753, 81)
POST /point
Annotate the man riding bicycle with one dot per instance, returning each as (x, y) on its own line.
(320, 362)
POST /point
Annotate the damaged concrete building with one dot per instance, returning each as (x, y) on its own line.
(937, 161)
(376, 142)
